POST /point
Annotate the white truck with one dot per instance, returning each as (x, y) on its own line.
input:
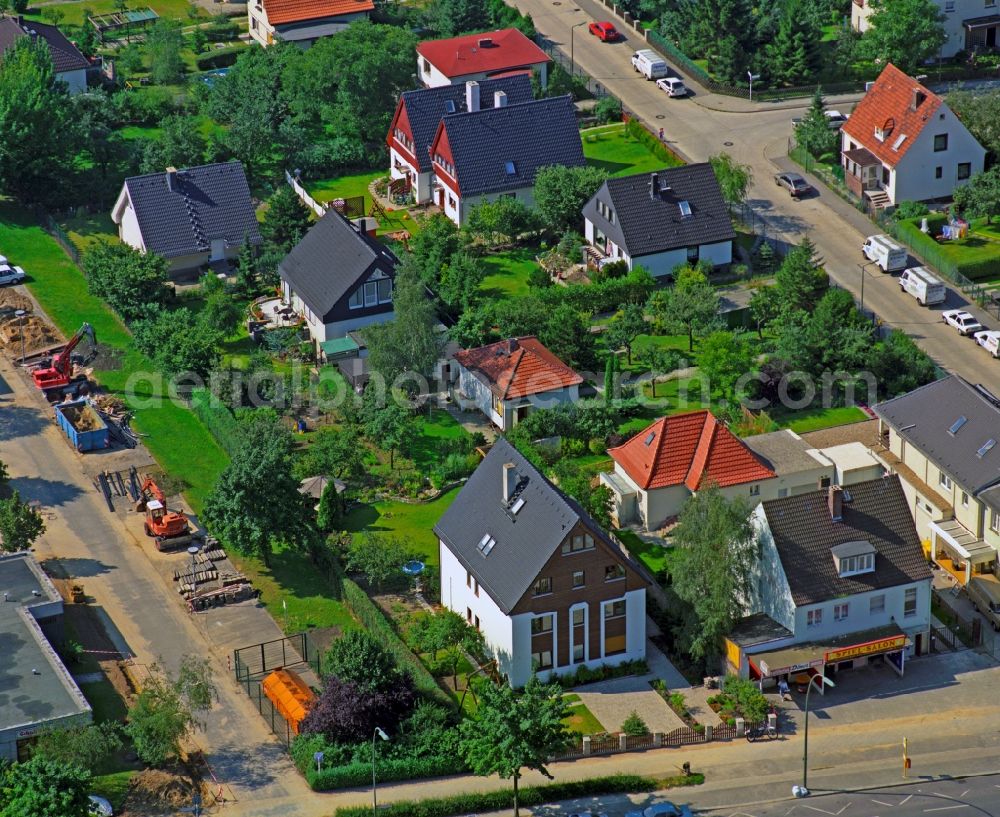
(885, 252)
(923, 286)
(650, 64)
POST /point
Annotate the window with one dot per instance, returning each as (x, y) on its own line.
(754, 490)
(814, 617)
(541, 624)
(876, 604)
(468, 579)
(476, 622)
(578, 542)
(578, 616)
(542, 660)
(606, 211)
(944, 480)
(357, 299)
(509, 168)
(692, 255)
(468, 614)
(613, 573)
(253, 23)
(475, 589)
(384, 287)
(995, 521)
(863, 563)
(782, 493)
(949, 6)
(940, 142)
(451, 202)
(577, 653)
(965, 500)
(910, 602)
(578, 579)
(938, 172)
(486, 544)
(840, 611)
(542, 586)
(685, 209)
(427, 67)
(964, 170)
(615, 609)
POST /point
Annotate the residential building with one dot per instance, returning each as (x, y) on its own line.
(339, 278)
(302, 21)
(38, 691)
(69, 64)
(841, 582)
(903, 143)
(457, 60)
(970, 25)
(527, 566)
(419, 112)
(660, 220)
(508, 379)
(197, 217)
(483, 155)
(941, 439)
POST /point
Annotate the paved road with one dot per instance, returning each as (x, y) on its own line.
(758, 136)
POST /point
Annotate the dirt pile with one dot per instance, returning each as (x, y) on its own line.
(11, 300)
(38, 335)
(83, 417)
(159, 792)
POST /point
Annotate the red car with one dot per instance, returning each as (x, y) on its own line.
(604, 31)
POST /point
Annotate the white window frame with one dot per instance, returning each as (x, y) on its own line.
(544, 624)
(944, 480)
(814, 617)
(909, 595)
(875, 609)
(583, 617)
(539, 662)
(995, 521)
(841, 611)
(609, 606)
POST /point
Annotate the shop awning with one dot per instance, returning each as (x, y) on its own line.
(960, 542)
(802, 657)
(791, 659)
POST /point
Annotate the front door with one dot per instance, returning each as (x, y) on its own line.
(218, 249)
(991, 37)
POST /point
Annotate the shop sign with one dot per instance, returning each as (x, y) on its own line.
(896, 642)
(767, 672)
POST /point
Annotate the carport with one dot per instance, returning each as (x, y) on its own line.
(963, 550)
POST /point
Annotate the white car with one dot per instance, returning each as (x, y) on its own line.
(963, 321)
(835, 119)
(672, 86)
(10, 275)
(989, 339)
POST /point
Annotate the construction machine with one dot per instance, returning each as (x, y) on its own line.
(170, 530)
(60, 372)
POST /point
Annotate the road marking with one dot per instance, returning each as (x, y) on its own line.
(947, 808)
(881, 803)
(907, 800)
(833, 813)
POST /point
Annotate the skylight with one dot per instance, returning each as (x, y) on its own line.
(509, 167)
(899, 141)
(961, 421)
(649, 438)
(449, 105)
(486, 544)
(987, 446)
(518, 504)
(685, 209)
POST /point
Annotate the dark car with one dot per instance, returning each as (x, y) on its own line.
(605, 31)
(793, 183)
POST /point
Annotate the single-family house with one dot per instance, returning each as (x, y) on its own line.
(841, 582)
(969, 25)
(418, 114)
(457, 60)
(941, 439)
(903, 143)
(528, 566)
(195, 217)
(302, 21)
(68, 62)
(339, 278)
(660, 220)
(508, 379)
(483, 155)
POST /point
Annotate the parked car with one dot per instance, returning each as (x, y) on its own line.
(10, 275)
(923, 286)
(666, 809)
(672, 86)
(835, 119)
(963, 321)
(989, 339)
(793, 183)
(605, 32)
(984, 593)
(888, 254)
(650, 64)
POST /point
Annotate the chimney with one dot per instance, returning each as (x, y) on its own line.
(171, 178)
(472, 95)
(835, 501)
(918, 97)
(512, 346)
(485, 42)
(509, 480)
(499, 100)
(654, 186)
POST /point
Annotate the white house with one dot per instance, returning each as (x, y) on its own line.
(302, 21)
(527, 566)
(69, 64)
(903, 143)
(457, 60)
(660, 220)
(971, 25)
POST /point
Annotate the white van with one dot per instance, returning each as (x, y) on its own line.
(923, 286)
(650, 64)
(889, 255)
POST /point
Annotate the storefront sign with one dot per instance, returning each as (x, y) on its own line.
(768, 672)
(896, 642)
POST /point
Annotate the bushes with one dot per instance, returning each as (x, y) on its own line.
(634, 725)
(220, 58)
(218, 419)
(586, 675)
(360, 774)
(608, 109)
(637, 131)
(221, 31)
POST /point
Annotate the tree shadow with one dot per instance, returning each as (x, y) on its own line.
(48, 492)
(611, 167)
(252, 769)
(20, 421)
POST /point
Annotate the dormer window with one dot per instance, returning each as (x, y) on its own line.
(606, 211)
(882, 133)
(853, 558)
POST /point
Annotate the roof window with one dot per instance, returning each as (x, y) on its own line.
(685, 209)
(649, 438)
(449, 105)
(486, 544)
(957, 425)
(987, 447)
(518, 504)
(853, 558)
(899, 141)
(509, 167)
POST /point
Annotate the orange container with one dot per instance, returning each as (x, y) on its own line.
(290, 695)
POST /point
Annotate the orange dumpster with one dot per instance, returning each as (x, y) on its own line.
(290, 695)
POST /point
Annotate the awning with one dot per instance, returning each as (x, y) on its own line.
(803, 657)
(791, 659)
(338, 347)
(960, 542)
(862, 157)
(982, 22)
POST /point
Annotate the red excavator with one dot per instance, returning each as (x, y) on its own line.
(58, 375)
(170, 530)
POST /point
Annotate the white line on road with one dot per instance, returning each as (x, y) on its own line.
(947, 808)
(882, 804)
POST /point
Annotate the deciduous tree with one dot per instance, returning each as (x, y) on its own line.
(724, 358)
(20, 524)
(178, 342)
(899, 365)
(979, 110)
(377, 556)
(359, 658)
(388, 425)
(502, 221)
(690, 306)
(178, 143)
(904, 32)
(345, 713)
(132, 282)
(661, 361)
(561, 192)
(87, 747)
(624, 328)
(765, 307)
(734, 178)
(44, 788)
(460, 279)
(164, 42)
(981, 196)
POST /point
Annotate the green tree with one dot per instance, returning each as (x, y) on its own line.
(132, 282)
(88, 747)
(460, 280)
(195, 349)
(904, 32)
(502, 221)
(634, 725)
(358, 657)
(899, 365)
(44, 788)
(813, 133)
(20, 524)
(247, 270)
(981, 196)
(765, 307)
(432, 248)
(178, 143)
(661, 361)
(446, 631)
(331, 508)
(286, 220)
(514, 731)
(624, 328)
(164, 42)
(334, 452)
(792, 56)
(566, 333)
(832, 337)
(724, 358)
(377, 556)
(221, 310)
(454, 17)
(579, 484)
(801, 281)
(734, 178)
(561, 192)
(713, 570)
(979, 110)
(765, 260)
(388, 425)
(690, 306)
(609, 377)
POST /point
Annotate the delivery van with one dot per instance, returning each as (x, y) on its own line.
(984, 593)
(923, 286)
(889, 255)
(650, 64)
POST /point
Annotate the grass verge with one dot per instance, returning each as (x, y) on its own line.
(611, 148)
(105, 701)
(112, 786)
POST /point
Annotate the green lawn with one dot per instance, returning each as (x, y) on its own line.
(74, 11)
(652, 556)
(611, 148)
(432, 430)
(580, 719)
(104, 700)
(356, 184)
(507, 273)
(113, 787)
(86, 229)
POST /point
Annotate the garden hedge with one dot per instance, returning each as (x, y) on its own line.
(219, 58)
(389, 770)
(638, 131)
(908, 231)
(217, 418)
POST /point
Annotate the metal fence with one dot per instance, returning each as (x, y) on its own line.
(565, 61)
(53, 229)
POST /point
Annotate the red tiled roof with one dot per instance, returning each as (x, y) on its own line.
(518, 367)
(458, 56)
(297, 11)
(692, 449)
(889, 105)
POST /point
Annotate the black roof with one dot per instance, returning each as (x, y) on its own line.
(65, 55)
(875, 511)
(331, 259)
(425, 107)
(500, 149)
(646, 223)
(183, 215)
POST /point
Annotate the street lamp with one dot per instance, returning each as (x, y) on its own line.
(863, 267)
(19, 314)
(804, 791)
(377, 733)
(752, 77)
(572, 61)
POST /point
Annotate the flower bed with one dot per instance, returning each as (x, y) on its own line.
(739, 698)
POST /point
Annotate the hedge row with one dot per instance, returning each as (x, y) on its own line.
(908, 231)
(637, 130)
(604, 296)
(528, 796)
(219, 58)
(366, 611)
(389, 770)
(217, 418)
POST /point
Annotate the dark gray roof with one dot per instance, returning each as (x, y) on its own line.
(525, 541)
(486, 144)
(645, 223)
(875, 511)
(65, 55)
(924, 418)
(330, 259)
(425, 107)
(183, 216)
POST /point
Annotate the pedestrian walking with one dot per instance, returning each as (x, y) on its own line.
(661, 134)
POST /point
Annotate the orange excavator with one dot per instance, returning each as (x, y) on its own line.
(59, 374)
(170, 530)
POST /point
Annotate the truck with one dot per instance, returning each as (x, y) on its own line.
(650, 64)
(923, 286)
(889, 255)
(984, 593)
